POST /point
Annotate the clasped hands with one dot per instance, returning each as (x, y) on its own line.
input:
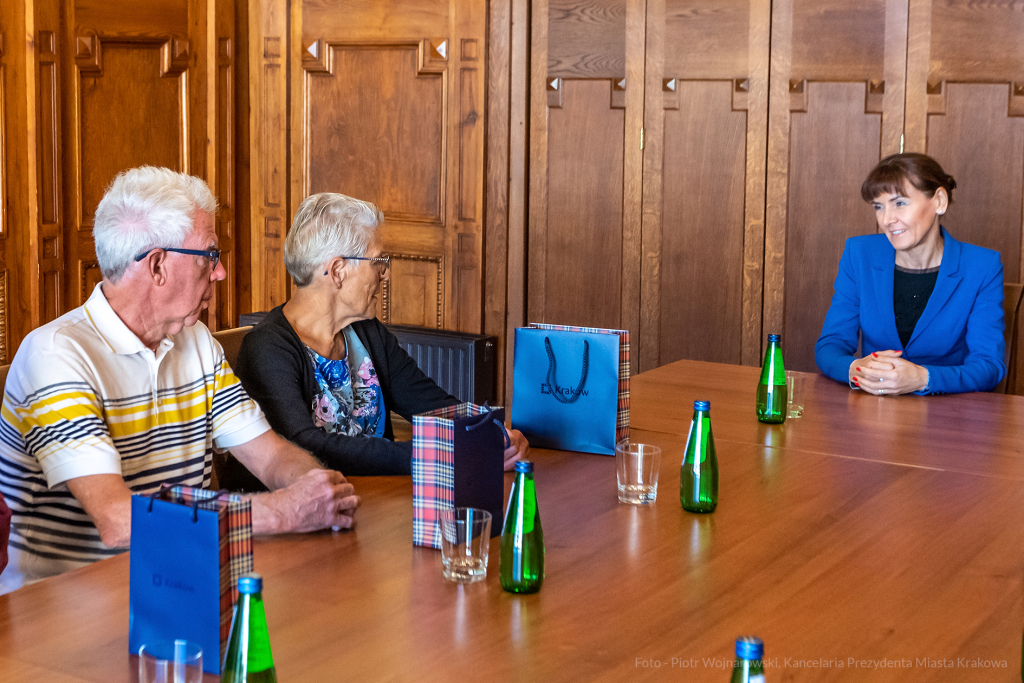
(888, 373)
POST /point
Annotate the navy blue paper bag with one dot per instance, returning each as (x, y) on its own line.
(571, 387)
(457, 458)
(189, 546)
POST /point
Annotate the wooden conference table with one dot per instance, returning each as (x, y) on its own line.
(874, 539)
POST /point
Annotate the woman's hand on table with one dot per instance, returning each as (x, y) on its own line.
(517, 450)
(888, 373)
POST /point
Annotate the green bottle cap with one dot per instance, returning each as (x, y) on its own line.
(250, 583)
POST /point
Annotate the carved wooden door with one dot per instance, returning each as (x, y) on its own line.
(387, 106)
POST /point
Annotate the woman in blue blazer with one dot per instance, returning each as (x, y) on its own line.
(928, 309)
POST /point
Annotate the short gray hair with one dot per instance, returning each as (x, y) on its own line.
(325, 226)
(145, 208)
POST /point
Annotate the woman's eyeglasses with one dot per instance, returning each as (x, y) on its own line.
(383, 261)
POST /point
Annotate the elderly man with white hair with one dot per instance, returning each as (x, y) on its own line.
(130, 391)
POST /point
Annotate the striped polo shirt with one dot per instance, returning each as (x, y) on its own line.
(84, 396)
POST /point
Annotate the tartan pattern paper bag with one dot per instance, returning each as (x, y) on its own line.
(570, 387)
(457, 461)
(189, 546)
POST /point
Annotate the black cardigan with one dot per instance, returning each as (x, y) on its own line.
(277, 373)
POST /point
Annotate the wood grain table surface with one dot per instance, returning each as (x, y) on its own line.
(900, 564)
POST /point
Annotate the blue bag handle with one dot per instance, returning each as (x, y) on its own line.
(195, 503)
(552, 384)
(483, 420)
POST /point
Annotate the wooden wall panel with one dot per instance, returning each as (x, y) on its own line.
(3, 142)
(19, 212)
(833, 115)
(4, 334)
(505, 205)
(834, 145)
(225, 304)
(583, 241)
(268, 41)
(983, 148)
(965, 107)
(586, 163)
(704, 180)
(702, 226)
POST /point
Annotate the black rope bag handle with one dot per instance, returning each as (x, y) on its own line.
(164, 488)
(487, 418)
(552, 384)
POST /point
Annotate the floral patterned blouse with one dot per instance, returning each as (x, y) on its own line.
(349, 399)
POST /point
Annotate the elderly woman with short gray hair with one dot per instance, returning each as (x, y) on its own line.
(326, 372)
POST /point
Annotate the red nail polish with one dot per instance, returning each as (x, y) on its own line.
(856, 381)
(875, 355)
(858, 370)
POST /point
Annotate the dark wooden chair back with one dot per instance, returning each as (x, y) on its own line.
(1011, 312)
(231, 340)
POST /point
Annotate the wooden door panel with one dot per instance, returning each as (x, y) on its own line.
(392, 113)
(833, 146)
(5, 199)
(705, 123)
(586, 117)
(129, 111)
(965, 107)
(583, 246)
(377, 106)
(836, 103)
(983, 148)
(130, 116)
(415, 292)
(702, 225)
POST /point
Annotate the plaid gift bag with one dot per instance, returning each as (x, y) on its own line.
(189, 546)
(589, 410)
(457, 461)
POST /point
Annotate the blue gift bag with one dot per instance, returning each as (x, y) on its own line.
(571, 387)
(189, 546)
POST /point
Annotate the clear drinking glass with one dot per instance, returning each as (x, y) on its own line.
(465, 542)
(795, 384)
(170, 661)
(636, 469)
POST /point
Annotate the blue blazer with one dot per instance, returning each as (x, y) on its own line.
(959, 337)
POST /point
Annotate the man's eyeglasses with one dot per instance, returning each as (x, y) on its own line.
(383, 261)
(212, 255)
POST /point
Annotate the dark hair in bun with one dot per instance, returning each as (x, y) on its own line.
(920, 170)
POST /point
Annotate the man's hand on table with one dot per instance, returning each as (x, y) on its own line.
(318, 499)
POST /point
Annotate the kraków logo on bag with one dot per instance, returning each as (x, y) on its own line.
(545, 388)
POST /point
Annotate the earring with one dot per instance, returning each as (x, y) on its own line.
(941, 211)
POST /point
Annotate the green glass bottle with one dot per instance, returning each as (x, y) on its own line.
(698, 476)
(749, 667)
(248, 657)
(522, 541)
(772, 399)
